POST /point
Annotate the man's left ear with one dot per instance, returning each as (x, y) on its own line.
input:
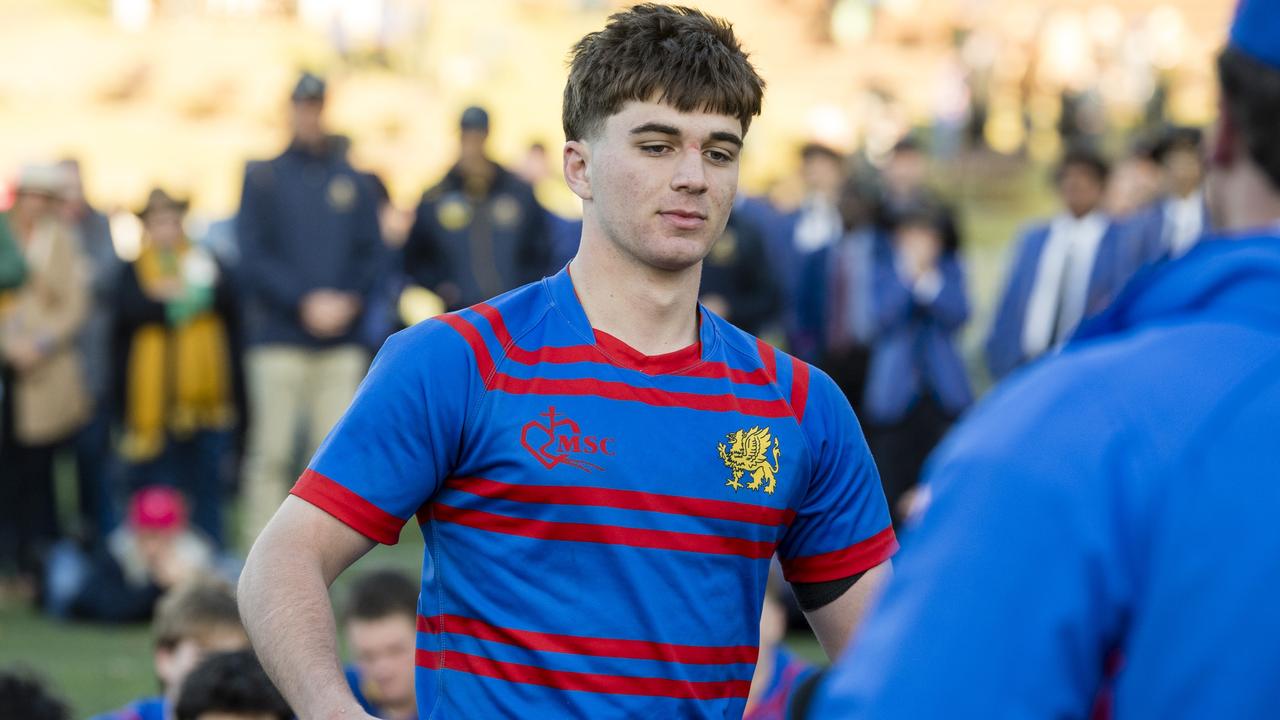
(1224, 139)
(577, 159)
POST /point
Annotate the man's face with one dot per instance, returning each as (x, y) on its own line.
(822, 175)
(174, 664)
(384, 652)
(1184, 171)
(905, 173)
(306, 120)
(471, 144)
(164, 227)
(1080, 188)
(661, 182)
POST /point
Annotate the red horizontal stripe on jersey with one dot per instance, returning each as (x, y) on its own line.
(591, 646)
(361, 515)
(589, 353)
(612, 390)
(604, 534)
(624, 500)
(839, 564)
(587, 682)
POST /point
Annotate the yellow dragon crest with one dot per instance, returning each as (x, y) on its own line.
(747, 453)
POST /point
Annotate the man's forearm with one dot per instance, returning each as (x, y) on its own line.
(284, 602)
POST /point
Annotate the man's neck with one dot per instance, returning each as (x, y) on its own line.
(652, 310)
(1246, 201)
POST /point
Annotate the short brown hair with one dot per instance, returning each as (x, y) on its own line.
(683, 57)
(380, 594)
(193, 610)
(1251, 92)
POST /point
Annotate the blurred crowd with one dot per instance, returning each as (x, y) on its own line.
(200, 372)
(216, 364)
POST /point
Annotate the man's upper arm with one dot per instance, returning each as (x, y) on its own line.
(835, 621)
(842, 526)
(333, 544)
(400, 437)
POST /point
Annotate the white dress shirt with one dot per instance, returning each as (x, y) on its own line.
(1183, 223)
(1061, 289)
(819, 225)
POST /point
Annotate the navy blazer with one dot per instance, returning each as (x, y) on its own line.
(914, 352)
(1117, 259)
(1146, 231)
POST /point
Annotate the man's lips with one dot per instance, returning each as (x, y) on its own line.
(684, 219)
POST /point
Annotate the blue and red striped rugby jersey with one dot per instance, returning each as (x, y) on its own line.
(598, 522)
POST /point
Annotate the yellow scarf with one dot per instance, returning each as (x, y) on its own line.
(179, 376)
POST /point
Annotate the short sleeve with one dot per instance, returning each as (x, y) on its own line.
(399, 438)
(842, 525)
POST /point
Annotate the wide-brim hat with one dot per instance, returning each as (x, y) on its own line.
(158, 199)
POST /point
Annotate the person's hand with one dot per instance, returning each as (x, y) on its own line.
(328, 313)
(921, 249)
(23, 354)
(166, 289)
(167, 568)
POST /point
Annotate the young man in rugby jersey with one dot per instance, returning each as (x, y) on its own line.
(601, 469)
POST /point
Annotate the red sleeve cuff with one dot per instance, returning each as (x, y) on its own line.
(837, 564)
(361, 515)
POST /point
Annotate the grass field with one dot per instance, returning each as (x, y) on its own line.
(100, 667)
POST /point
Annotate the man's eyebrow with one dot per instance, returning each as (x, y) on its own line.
(653, 127)
(661, 129)
(728, 137)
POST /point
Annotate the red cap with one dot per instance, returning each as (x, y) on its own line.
(157, 508)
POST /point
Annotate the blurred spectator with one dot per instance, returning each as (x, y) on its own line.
(177, 339)
(479, 232)
(230, 686)
(13, 268)
(916, 381)
(381, 625)
(310, 246)
(23, 696)
(1135, 181)
(905, 185)
(738, 282)
(192, 622)
(563, 233)
(1064, 269)
(41, 372)
(121, 580)
(93, 443)
(817, 221)
(835, 299)
(778, 672)
(1169, 227)
(378, 318)
(812, 227)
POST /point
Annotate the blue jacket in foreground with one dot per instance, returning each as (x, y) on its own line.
(1120, 497)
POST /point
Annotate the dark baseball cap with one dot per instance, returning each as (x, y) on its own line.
(475, 118)
(309, 88)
